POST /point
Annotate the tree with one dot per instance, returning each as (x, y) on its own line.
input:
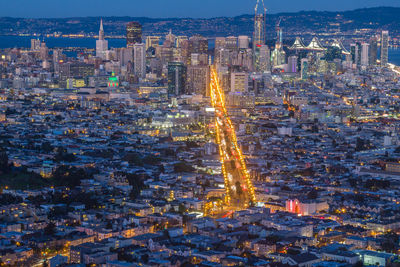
(134, 158)
(390, 242)
(313, 194)
(109, 225)
(183, 167)
(353, 182)
(136, 181)
(360, 144)
(182, 208)
(47, 147)
(50, 229)
(69, 176)
(151, 160)
(63, 155)
(4, 165)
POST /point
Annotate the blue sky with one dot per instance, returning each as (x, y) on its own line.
(171, 8)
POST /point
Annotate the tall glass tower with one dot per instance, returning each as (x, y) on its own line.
(260, 13)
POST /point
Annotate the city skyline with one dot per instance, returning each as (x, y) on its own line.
(171, 9)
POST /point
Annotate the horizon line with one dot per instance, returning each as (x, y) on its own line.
(214, 17)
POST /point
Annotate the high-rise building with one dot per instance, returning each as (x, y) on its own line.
(35, 44)
(358, 54)
(278, 57)
(373, 50)
(57, 57)
(364, 54)
(176, 78)
(198, 44)
(221, 57)
(384, 48)
(152, 41)
(239, 82)
(292, 64)
(180, 39)
(243, 42)
(231, 42)
(265, 58)
(124, 55)
(133, 33)
(259, 24)
(198, 59)
(219, 42)
(262, 58)
(44, 51)
(171, 38)
(101, 43)
(198, 79)
(355, 51)
(304, 69)
(139, 60)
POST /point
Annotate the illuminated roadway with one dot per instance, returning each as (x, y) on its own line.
(238, 186)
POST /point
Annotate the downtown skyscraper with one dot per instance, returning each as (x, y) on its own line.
(384, 48)
(259, 24)
(259, 35)
(101, 43)
(133, 33)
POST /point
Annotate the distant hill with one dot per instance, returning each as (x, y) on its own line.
(304, 22)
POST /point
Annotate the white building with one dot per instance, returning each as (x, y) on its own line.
(139, 60)
(364, 54)
(243, 41)
(101, 44)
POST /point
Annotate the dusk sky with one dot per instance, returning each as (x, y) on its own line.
(171, 8)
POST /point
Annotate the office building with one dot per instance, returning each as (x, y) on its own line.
(239, 82)
(231, 43)
(152, 41)
(170, 38)
(133, 33)
(180, 40)
(198, 44)
(262, 56)
(176, 78)
(243, 42)
(259, 24)
(292, 64)
(373, 50)
(304, 69)
(139, 60)
(101, 43)
(219, 42)
(364, 54)
(35, 44)
(198, 79)
(44, 51)
(124, 55)
(384, 48)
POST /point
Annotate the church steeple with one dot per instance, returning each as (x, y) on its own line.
(101, 32)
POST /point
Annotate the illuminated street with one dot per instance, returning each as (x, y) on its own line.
(239, 189)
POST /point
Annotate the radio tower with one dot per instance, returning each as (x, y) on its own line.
(260, 13)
